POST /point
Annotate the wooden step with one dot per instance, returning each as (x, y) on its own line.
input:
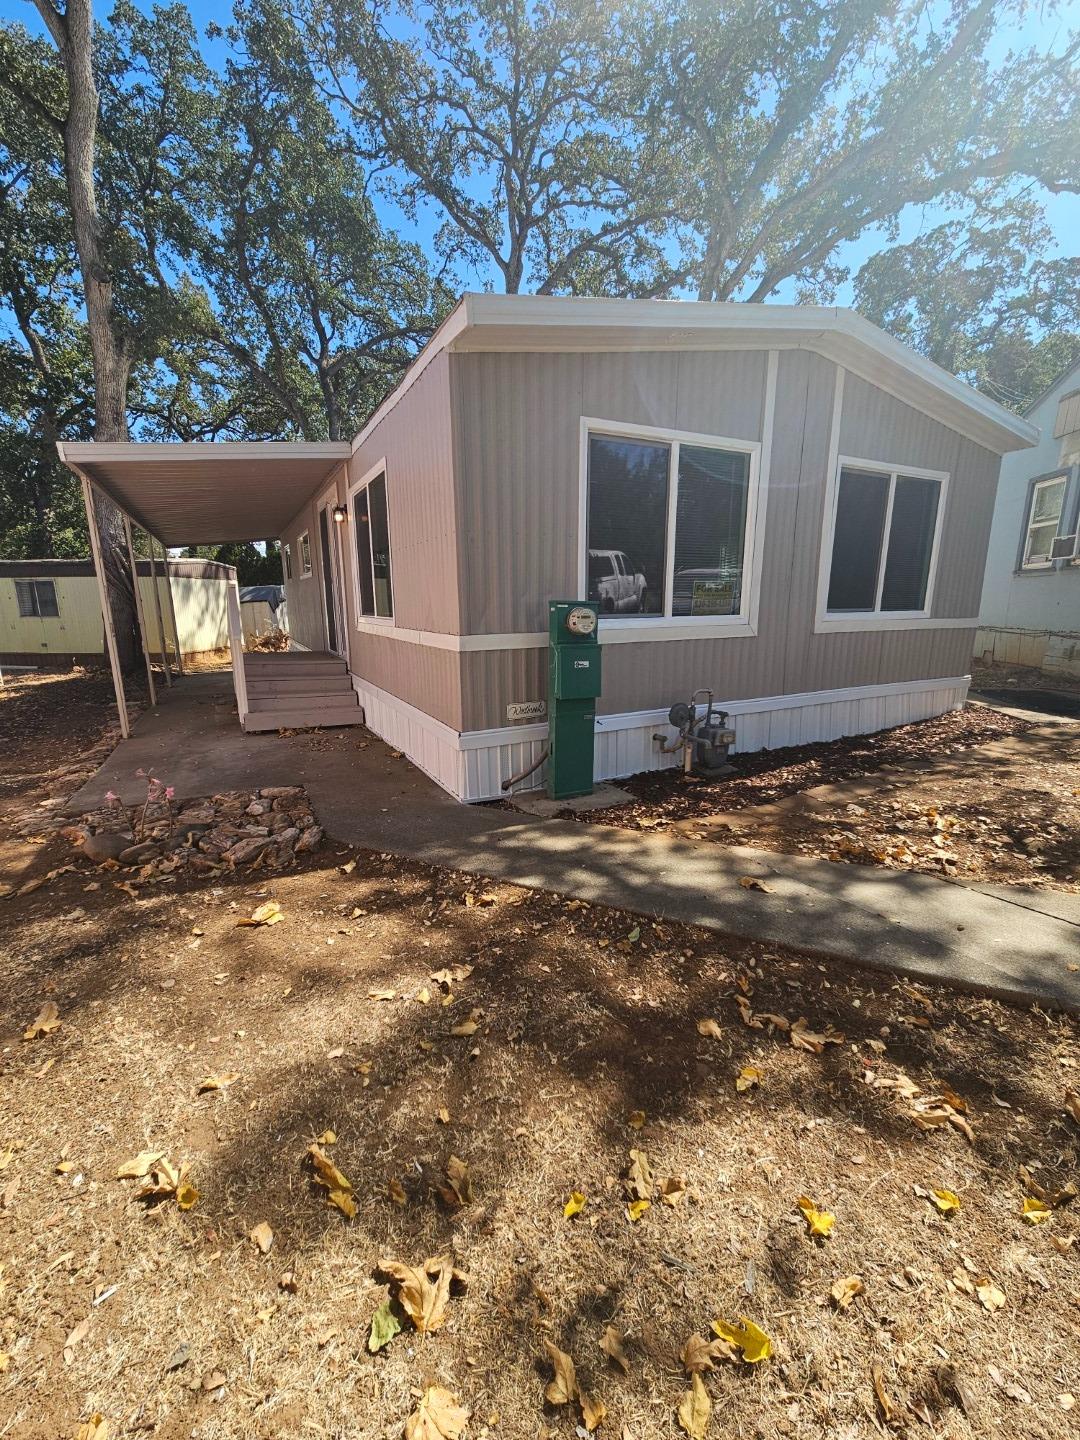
(334, 700)
(328, 684)
(296, 717)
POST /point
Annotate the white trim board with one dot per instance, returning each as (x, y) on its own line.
(473, 764)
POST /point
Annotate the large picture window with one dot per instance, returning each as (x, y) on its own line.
(884, 540)
(1044, 521)
(668, 523)
(371, 534)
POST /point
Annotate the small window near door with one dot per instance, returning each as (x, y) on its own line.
(883, 541)
(286, 560)
(371, 520)
(1044, 522)
(37, 598)
(304, 543)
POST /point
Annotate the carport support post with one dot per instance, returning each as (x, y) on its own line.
(178, 653)
(139, 613)
(157, 608)
(106, 608)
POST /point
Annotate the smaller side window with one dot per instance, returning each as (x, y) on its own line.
(304, 543)
(1043, 522)
(37, 598)
(286, 561)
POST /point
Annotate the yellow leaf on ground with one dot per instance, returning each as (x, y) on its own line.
(437, 1417)
(269, 913)
(424, 1290)
(754, 1344)
(748, 1077)
(339, 1189)
(187, 1197)
(1035, 1211)
(262, 1237)
(843, 1291)
(711, 1028)
(611, 1343)
(593, 1410)
(636, 1119)
(888, 1409)
(44, 1023)
(821, 1222)
(96, 1428)
(219, 1082)
(139, 1165)
(575, 1204)
(636, 1209)
(639, 1180)
(946, 1201)
(328, 1137)
(563, 1387)
(695, 1409)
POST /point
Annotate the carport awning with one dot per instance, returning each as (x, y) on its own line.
(208, 492)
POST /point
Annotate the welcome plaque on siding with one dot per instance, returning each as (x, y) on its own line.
(526, 710)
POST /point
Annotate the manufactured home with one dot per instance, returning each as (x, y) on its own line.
(1030, 611)
(781, 504)
(50, 617)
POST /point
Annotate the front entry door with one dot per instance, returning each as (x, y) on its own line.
(335, 638)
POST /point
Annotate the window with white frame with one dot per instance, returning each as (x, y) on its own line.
(669, 519)
(371, 536)
(1044, 521)
(885, 531)
(303, 544)
(286, 561)
(37, 598)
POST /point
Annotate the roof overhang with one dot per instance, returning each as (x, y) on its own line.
(552, 323)
(208, 492)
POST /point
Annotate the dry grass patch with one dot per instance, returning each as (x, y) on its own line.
(578, 1041)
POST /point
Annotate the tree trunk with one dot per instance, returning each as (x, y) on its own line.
(73, 33)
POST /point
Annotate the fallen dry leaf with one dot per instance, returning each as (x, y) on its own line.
(96, 1428)
(269, 913)
(636, 1209)
(45, 1022)
(1011, 1388)
(751, 1341)
(844, 1290)
(593, 1410)
(384, 1326)
(187, 1197)
(396, 1191)
(78, 1334)
(339, 1189)
(695, 1409)
(611, 1343)
(262, 1237)
(139, 1165)
(748, 1078)
(1035, 1212)
(751, 882)
(820, 1222)
(885, 1404)
(1072, 1104)
(424, 1291)
(698, 1353)
(711, 1028)
(803, 1038)
(639, 1181)
(636, 1119)
(219, 1082)
(672, 1189)
(563, 1388)
(575, 1204)
(437, 1417)
(946, 1201)
(458, 1188)
(990, 1297)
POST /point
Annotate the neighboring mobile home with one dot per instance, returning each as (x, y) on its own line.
(1030, 612)
(49, 613)
(780, 503)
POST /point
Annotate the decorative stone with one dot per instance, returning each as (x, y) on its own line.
(139, 854)
(245, 851)
(309, 840)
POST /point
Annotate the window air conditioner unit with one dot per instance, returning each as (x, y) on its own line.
(1063, 547)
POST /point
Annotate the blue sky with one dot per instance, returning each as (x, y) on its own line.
(1039, 26)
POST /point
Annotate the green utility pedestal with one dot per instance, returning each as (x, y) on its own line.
(573, 685)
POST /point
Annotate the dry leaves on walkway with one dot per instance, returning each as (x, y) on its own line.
(437, 1417)
(44, 1023)
(695, 1409)
(269, 913)
(423, 1291)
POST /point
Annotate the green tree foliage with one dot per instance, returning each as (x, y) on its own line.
(253, 567)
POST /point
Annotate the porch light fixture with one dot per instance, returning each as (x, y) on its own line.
(340, 514)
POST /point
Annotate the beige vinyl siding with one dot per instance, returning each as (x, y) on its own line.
(307, 618)
(518, 447)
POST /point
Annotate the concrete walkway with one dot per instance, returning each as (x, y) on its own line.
(1011, 943)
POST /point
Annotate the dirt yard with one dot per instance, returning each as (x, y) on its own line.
(470, 1063)
(945, 796)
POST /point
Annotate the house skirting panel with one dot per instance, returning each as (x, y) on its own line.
(473, 765)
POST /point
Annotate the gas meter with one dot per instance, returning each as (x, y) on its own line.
(573, 686)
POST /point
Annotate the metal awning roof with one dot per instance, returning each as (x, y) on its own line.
(208, 492)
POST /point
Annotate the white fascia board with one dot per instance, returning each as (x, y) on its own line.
(145, 452)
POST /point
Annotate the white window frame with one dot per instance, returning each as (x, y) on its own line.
(666, 625)
(36, 614)
(1049, 563)
(378, 622)
(303, 545)
(878, 619)
(286, 561)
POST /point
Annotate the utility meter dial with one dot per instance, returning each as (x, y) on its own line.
(581, 620)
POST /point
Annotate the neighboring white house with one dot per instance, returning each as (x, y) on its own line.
(50, 616)
(1030, 612)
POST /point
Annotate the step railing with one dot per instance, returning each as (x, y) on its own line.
(236, 646)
